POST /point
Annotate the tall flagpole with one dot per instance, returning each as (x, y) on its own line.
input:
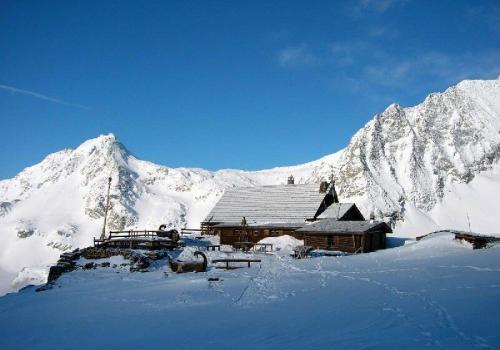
(103, 234)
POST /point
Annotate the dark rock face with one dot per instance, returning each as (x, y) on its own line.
(156, 254)
(5, 208)
(89, 266)
(92, 253)
(65, 263)
(25, 233)
(140, 265)
(56, 271)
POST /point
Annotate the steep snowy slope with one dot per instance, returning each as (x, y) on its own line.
(423, 167)
(410, 156)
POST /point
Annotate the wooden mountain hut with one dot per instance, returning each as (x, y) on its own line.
(312, 212)
(267, 210)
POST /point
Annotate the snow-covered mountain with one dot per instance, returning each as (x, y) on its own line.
(425, 167)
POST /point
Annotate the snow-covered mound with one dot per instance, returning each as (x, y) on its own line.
(427, 167)
(284, 244)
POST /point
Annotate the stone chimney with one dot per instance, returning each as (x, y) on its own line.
(323, 186)
(291, 180)
(372, 217)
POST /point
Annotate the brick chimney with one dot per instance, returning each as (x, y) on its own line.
(291, 180)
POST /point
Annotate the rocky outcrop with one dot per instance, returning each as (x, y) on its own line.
(139, 262)
(66, 263)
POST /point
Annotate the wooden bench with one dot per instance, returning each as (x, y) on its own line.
(213, 247)
(228, 261)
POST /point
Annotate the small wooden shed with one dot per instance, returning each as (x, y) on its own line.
(346, 236)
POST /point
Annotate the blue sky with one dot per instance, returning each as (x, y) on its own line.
(218, 84)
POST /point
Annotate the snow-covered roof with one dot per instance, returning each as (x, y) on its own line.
(326, 226)
(336, 211)
(269, 204)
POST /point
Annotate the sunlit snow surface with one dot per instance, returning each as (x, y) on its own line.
(435, 293)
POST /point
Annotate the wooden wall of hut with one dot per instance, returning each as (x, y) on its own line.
(230, 235)
(348, 243)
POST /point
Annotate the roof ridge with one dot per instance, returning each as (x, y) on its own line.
(279, 185)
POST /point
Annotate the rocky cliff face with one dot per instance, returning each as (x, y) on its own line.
(411, 156)
(403, 158)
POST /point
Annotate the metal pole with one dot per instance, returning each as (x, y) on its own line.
(103, 234)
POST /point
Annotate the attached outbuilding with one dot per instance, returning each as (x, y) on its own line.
(345, 236)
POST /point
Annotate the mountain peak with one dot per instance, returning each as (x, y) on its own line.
(107, 143)
(393, 107)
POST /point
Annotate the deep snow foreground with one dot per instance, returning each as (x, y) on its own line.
(435, 293)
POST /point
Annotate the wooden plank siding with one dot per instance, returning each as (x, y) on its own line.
(347, 242)
(230, 235)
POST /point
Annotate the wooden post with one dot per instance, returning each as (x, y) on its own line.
(103, 234)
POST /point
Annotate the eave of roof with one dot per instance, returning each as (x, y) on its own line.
(260, 225)
(332, 226)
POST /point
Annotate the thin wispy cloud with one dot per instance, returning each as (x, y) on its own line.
(346, 53)
(295, 56)
(362, 7)
(14, 90)
(366, 65)
(433, 65)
